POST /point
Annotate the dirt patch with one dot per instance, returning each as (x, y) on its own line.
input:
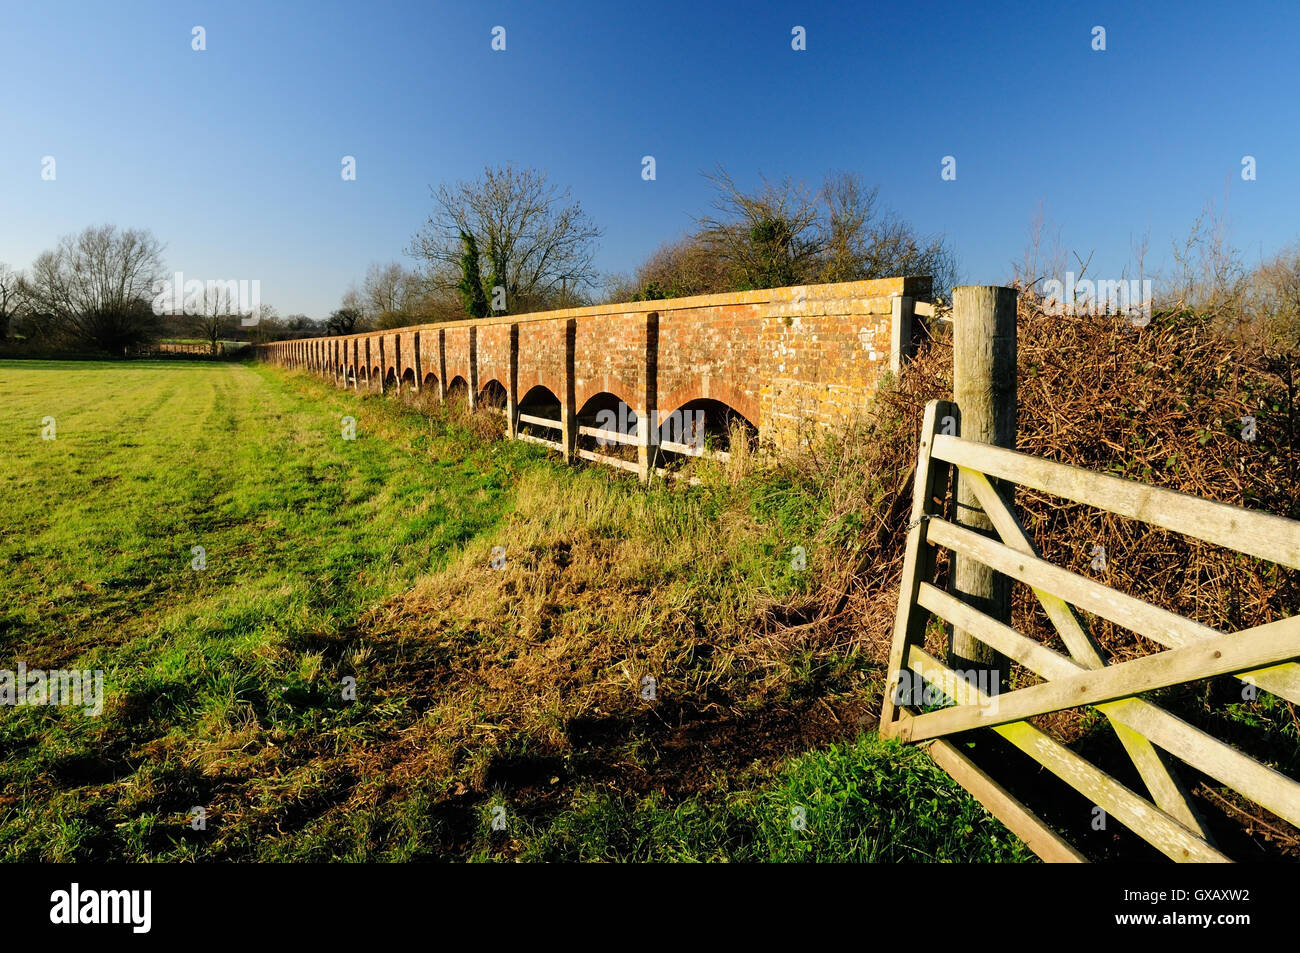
(685, 750)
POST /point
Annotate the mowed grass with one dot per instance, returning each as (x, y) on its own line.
(329, 561)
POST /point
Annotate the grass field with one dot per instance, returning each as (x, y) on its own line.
(499, 713)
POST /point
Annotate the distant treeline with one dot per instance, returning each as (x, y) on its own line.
(97, 292)
(510, 242)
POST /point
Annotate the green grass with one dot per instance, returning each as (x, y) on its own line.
(866, 801)
(328, 558)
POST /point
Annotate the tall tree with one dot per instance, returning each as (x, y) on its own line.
(344, 321)
(389, 294)
(266, 324)
(471, 280)
(784, 233)
(535, 239)
(12, 297)
(768, 238)
(99, 286)
(213, 312)
(864, 240)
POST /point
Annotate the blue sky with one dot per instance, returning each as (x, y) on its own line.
(232, 155)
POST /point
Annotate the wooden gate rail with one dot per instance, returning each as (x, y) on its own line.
(1262, 656)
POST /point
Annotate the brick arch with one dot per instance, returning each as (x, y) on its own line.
(525, 391)
(581, 397)
(493, 392)
(720, 391)
(554, 384)
(582, 402)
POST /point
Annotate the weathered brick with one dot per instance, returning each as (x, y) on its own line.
(790, 360)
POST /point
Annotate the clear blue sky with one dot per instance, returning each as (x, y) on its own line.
(232, 156)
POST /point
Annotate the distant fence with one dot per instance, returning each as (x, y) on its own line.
(168, 349)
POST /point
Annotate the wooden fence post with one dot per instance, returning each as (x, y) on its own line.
(647, 425)
(442, 365)
(512, 385)
(984, 388)
(473, 367)
(900, 332)
(568, 400)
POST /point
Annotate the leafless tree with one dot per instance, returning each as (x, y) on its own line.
(784, 233)
(1044, 256)
(676, 269)
(99, 286)
(389, 295)
(1272, 302)
(535, 240)
(13, 296)
(863, 240)
(214, 313)
(265, 324)
(767, 238)
(354, 300)
(1209, 276)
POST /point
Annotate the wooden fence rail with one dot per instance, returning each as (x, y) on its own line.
(1263, 656)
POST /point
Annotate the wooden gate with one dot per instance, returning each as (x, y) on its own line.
(1261, 656)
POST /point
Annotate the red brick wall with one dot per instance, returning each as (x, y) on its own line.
(429, 355)
(712, 352)
(610, 357)
(406, 355)
(457, 348)
(493, 352)
(791, 360)
(542, 356)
